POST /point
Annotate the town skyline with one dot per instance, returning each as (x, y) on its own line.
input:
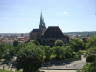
(21, 16)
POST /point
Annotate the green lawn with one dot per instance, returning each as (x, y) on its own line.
(7, 71)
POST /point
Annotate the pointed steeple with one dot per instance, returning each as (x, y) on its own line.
(42, 23)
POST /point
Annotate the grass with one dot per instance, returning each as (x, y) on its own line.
(7, 71)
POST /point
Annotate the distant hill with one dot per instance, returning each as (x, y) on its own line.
(82, 34)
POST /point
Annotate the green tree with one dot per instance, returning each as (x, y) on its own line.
(91, 51)
(91, 42)
(59, 52)
(15, 43)
(68, 52)
(2, 50)
(77, 44)
(35, 42)
(29, 58)
(5, 50)
(48, 52)
(59, 43)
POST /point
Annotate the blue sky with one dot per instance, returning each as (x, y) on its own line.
(21, 16)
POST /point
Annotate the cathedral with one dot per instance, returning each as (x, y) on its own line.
(47, 36)
(36, 34)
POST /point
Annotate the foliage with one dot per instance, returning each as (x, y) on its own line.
(63, 52)
(15, 43)
(7, 71)
(68, 52)
(48, 52)
(35, 42)
(59, 43)
(77, 44)
(5, 50)
(2, 50)
(91, 43)
(29, 57)
(59, 52)
(91, 58)
(91, 67)
(91, 51)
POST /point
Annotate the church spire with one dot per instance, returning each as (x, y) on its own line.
(42, 23)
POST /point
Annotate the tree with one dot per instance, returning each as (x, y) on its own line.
(35, 42)
(48, 52)
(59, 43)
(68, 52)
(59, 52)
(77, 45)
(91, 51)
(2, 50)
(5, 50)
(29, 58)
(91, 42)
(9, 53)
(15, 43)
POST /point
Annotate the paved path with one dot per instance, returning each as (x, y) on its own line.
(59, 70)
(75, 65)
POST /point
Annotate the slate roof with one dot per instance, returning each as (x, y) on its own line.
(53, 32)
(36, 30)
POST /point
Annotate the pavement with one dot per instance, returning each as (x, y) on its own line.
(72, 67)
(60, 70)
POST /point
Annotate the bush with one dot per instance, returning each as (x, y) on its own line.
(59, 43)
(88, 68)
(91, 58)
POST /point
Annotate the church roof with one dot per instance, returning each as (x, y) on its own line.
(53, 32)
(36, 30)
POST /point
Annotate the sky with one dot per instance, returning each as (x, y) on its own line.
(21, 16)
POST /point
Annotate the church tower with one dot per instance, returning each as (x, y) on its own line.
(42, 26)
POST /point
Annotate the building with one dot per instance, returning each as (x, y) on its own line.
(47, 36)
(52, 34)
(36, 34)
